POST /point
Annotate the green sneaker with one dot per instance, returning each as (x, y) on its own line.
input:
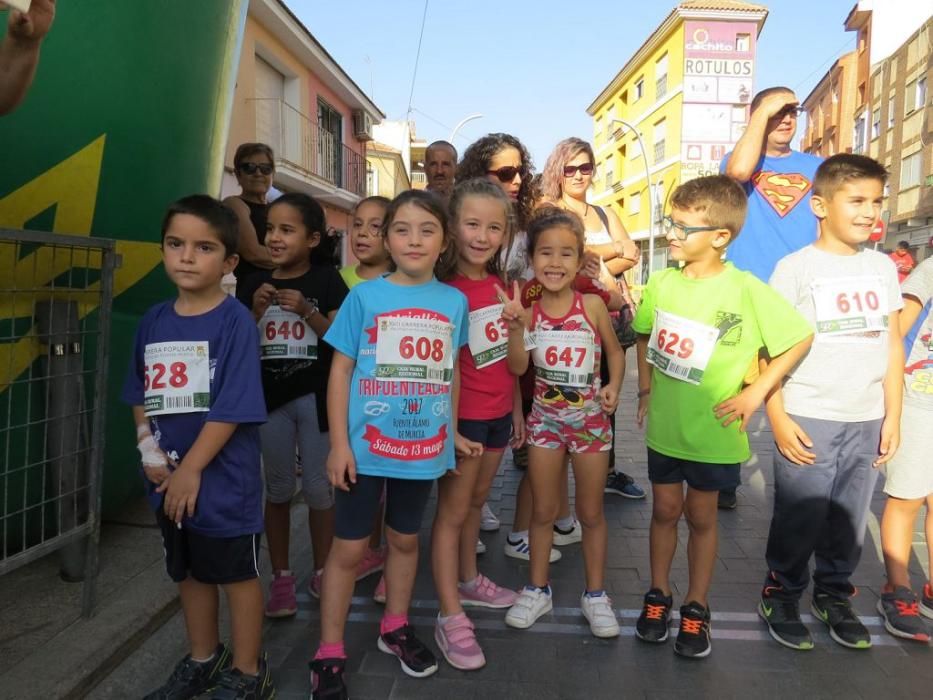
(844, 626)
(233, 684)
(784, 624)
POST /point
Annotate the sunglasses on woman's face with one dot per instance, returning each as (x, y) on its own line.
(507, 173)
(584, 168)
(250, 168)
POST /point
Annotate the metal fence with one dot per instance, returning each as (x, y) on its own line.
(56, 294)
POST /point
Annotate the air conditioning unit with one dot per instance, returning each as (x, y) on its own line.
(362, 125)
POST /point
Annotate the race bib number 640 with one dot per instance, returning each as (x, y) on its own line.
(177, 378)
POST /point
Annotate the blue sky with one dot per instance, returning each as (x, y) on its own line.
(532, 68)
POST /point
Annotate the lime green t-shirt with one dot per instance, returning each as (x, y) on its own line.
(708, 333)
(350, 277)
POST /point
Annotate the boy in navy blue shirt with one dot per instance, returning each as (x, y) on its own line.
(195, 388)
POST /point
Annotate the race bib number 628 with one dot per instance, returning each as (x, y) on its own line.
(177, 378)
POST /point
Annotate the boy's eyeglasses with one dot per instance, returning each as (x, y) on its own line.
(680, 231)
(250, 168)
(584, 168)
(507, 173)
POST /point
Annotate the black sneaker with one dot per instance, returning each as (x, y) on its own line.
(693, 638)
(655, 620)
(233, 684)
(416, 659)
(327, 680)
(190, 678)
(782, 614)
(901, 612)
(844, 626)
(926, 601)
(727, 500)
(623, 485)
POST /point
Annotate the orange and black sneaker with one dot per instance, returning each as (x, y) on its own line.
(655, 620)
(926, 601)
(693, 638)
(900, 610)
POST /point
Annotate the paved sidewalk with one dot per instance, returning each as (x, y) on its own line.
(558, 658)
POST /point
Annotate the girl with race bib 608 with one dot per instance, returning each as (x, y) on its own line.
(294, 305)
(489, 412)
(391, 400)
(570, 412)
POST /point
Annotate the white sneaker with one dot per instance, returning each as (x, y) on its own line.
(520, 550)
(599, 613)
(480, 547)
(532, 603)
(488, 522)
(565, 537)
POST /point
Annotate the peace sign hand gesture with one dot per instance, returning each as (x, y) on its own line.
(513, 312)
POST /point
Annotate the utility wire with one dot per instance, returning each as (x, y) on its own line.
(414, 73)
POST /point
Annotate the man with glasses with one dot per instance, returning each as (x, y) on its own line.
(440, 163)
(777, 180)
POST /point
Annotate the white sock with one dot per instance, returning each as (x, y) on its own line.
(518, 535)
(565, 523)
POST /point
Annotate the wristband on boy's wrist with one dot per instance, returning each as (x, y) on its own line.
(642, 393)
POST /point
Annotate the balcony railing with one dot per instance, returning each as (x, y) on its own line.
(304, 145)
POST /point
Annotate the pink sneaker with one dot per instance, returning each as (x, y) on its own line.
(457, 642)
(314, 583)
(379, 595)
(483, 593)
(374, 560)
(282, 602)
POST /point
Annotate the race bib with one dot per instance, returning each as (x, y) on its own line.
(283, 335)
(565, 358)
(681, 348)
(850, 306)
(414, 350)
(177, 378)
(489, 336)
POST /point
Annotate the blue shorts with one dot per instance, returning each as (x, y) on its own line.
(493, 434)
(701, 476)
(405, 499)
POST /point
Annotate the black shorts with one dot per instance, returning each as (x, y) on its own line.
(493, 434)
(406, 500)
(206, 559)
(701, 476)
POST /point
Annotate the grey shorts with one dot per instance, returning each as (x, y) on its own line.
(909, 474)
(291, 425)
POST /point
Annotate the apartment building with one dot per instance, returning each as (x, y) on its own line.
(830, 109)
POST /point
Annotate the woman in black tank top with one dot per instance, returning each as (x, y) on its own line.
(254, 166)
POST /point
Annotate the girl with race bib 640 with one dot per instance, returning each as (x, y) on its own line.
(570, 412)
(294, 305)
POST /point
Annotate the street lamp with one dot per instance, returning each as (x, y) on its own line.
(461, 123)
(644, 155)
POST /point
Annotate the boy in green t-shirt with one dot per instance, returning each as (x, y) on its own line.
(700, 328)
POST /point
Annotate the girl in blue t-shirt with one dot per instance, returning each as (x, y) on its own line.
(391, 404)
(294, 305)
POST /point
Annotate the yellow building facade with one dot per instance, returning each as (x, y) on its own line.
(685, 92)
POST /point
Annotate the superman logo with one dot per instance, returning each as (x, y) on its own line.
(783, 191)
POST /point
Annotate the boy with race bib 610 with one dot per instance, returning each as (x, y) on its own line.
(195, 388)
(700, 326)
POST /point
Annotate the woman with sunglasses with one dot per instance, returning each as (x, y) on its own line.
(254, 166)
(567, 177)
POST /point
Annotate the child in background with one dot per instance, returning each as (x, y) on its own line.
(392, 400)
(294, 305)
(569, 413)
(838, 416)
(908, 477)
(367, 246)
(489, 413)
(195, 388)
(700, 327)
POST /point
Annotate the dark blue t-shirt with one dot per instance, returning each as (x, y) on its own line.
(779, 220)
(229, 502)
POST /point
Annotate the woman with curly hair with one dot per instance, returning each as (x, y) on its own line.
(504, 160)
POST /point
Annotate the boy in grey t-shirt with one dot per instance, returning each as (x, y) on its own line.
(909, 476)
(838, 415)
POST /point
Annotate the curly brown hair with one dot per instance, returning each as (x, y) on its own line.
(476, 160)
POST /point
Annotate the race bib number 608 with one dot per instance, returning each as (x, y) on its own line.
(414, 350)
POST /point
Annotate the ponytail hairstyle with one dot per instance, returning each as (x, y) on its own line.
(476, 187)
